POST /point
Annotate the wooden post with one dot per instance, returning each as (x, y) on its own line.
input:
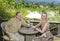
(58, 29)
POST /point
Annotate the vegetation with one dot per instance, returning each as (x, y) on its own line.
(8, 8)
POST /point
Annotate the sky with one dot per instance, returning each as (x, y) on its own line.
(56, 1)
